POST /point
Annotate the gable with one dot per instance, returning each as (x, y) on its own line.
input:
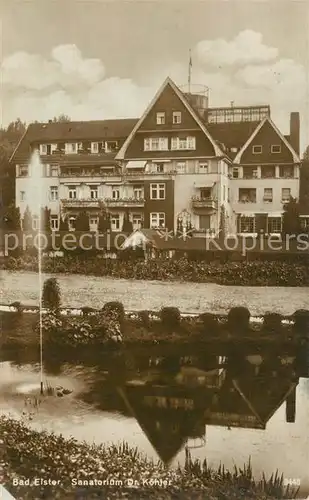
(169, 99)
(167, 102)
(266, 135)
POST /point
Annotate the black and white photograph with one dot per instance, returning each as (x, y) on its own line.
(154, 249)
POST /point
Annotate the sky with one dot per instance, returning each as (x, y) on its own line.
(96, 59)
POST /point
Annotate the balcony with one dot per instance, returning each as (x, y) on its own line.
(80, 203)
(200, 202)
(124, 202)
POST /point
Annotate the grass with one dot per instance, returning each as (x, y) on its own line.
(28, 454)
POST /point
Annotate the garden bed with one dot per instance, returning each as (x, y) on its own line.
(30, 455)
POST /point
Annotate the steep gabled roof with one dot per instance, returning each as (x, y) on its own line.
(296, 158)
(185, 102)
(232, 134)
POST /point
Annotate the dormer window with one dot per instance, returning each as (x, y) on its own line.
(276, 148)
(111, 146)
(71, 148)
(94, 147)
(47, 149)
(176, 117)
(161, 118)
(257, 149)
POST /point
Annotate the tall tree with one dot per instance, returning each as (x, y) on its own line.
(104, 223)
(64, 224)
(27, 220)
(45, 220)
(82, 222)
(10, 217)
(291, 223)
(127, 226)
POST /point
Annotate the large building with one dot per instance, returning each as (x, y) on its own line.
(181, 165)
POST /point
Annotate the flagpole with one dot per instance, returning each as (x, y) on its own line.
(189, 72)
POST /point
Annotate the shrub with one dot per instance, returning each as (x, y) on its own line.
(272, 322)
(301, 320)
(144, 318)
(170, 317)
(51, 296)
(17, 306)
(87, 310)
(116, 308)
(238, 318)
(209, 321)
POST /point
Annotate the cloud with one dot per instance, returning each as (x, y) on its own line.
(243, 70)
(245, 48)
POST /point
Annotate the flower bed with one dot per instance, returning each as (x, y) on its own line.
(256, 273)
(29, 455)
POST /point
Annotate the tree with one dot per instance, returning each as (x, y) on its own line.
(62, 118)
(291, 223)
(306, 154)
(304, 186)
(51, 295)
(11, 218)
(82, 222)
(127, 226)
(27, 220)
(45, 220)
(104, 223)
(64, 224)
(222, 227)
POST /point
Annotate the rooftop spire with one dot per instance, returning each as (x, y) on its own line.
(189, 71)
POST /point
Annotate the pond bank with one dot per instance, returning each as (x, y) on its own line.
(118, 471)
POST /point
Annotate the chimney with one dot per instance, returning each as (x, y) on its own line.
(294, 131)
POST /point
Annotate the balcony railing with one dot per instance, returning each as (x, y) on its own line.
(124, 202)
(83, 202)
(199, 202)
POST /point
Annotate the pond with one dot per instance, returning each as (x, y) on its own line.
(81, 290)
(223, 408)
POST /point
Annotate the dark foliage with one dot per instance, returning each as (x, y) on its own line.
(170, 317)
(238, 318)
(51, 296)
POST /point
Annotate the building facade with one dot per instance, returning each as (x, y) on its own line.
(182, 166)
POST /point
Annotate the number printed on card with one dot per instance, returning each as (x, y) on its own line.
(291, 481)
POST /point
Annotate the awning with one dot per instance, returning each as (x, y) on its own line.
(136, 164)
(274, 214)
(247, 214)
(204, 184)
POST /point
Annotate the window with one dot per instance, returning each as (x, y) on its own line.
(157, 168)
(203, 167)
(47, 149)
(156, 144)
(257, 149)
(157, 191)
(181, 167)
(94, 147)
(71, 148)
(35, 223)
(286, 194)
(23, 196)
(247, 224)
(72, 223)
(274, 225)
(53, 193)
(93, 222)
(176, 117)
(268, 172)
(137, 192)
(137, 221)
(160, 118)
(180, 143)
(250, 173)
(205, 193)
(276, 148)
(247, 195)
(93, 192)
(115, 222)
(234, 150)
(268, 195)
(287, 172)
(72, 193)
(157, 219)
(23, 171)
(304, 222)
(54, 171)
(224, 193)
(204, 222)
(235, 173)
(54, 222)
(110, 146)
(115, 193)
